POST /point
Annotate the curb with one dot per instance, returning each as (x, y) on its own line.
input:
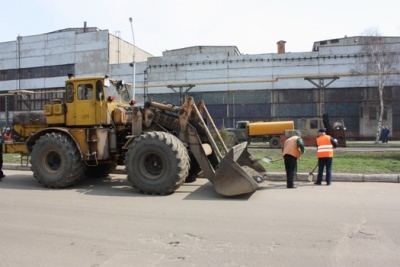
(341, 177)
(276, 176)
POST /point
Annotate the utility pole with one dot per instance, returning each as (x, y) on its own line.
(133, 64)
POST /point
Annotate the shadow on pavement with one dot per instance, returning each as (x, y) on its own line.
(117, 185)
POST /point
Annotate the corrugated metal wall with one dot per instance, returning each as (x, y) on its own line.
(228, 107)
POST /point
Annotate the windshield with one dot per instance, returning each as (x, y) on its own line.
(119, 90)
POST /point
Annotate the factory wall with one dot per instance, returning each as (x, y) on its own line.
(265, 87)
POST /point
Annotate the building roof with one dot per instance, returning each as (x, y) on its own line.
(78, 30)
(206, 49)
(353, 40)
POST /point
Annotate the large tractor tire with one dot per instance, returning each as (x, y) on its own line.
(157, 163)
(100, 171)
(56, 161)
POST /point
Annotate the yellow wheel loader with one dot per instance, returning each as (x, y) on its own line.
(97, 127)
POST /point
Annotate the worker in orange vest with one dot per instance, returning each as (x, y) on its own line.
(292, 150)
(7, 135)
(325, 144)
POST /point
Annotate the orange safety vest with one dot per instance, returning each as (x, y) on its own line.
(290, 147)
(325, 147)
(7, 136)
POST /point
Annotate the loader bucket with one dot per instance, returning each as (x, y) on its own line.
(238, 172)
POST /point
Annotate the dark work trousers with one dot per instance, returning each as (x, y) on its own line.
(325, 162)
(1, 164)
(291, 169)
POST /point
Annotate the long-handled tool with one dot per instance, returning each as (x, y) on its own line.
(311, 174)
(269, 160)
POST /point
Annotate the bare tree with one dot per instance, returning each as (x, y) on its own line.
(377, 63)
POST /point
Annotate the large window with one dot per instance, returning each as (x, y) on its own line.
(372, 113)
(37, 72)
(295, 96)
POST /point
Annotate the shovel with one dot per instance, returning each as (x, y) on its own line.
(311, 174)
(269, 160)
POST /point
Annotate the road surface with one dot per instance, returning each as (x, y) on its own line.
(105, 222)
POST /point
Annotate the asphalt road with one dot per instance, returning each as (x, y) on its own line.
(105, 222)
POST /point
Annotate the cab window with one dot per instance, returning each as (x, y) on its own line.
(85, 91)
(69, 96)
(241, 125)
(313, 124)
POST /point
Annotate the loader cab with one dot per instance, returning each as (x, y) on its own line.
(89, 101)
(310, 126)
(83, 101)
(240, 131)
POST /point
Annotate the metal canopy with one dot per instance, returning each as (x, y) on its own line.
(181, 91)
(321, 88)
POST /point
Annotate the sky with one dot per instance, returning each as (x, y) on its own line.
(253, 26)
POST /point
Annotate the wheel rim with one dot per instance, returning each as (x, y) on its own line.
(53, 161)
(152, 165)
(275, 142)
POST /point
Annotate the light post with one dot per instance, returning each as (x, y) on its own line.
(133, 63)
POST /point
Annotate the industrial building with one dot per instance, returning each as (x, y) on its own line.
(259, 87)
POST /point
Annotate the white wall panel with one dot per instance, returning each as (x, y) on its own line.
(42, 83)
(10, 63)
(8, 55)
(59, 59)
(7, 47)
(29, 62)
(8, 85)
